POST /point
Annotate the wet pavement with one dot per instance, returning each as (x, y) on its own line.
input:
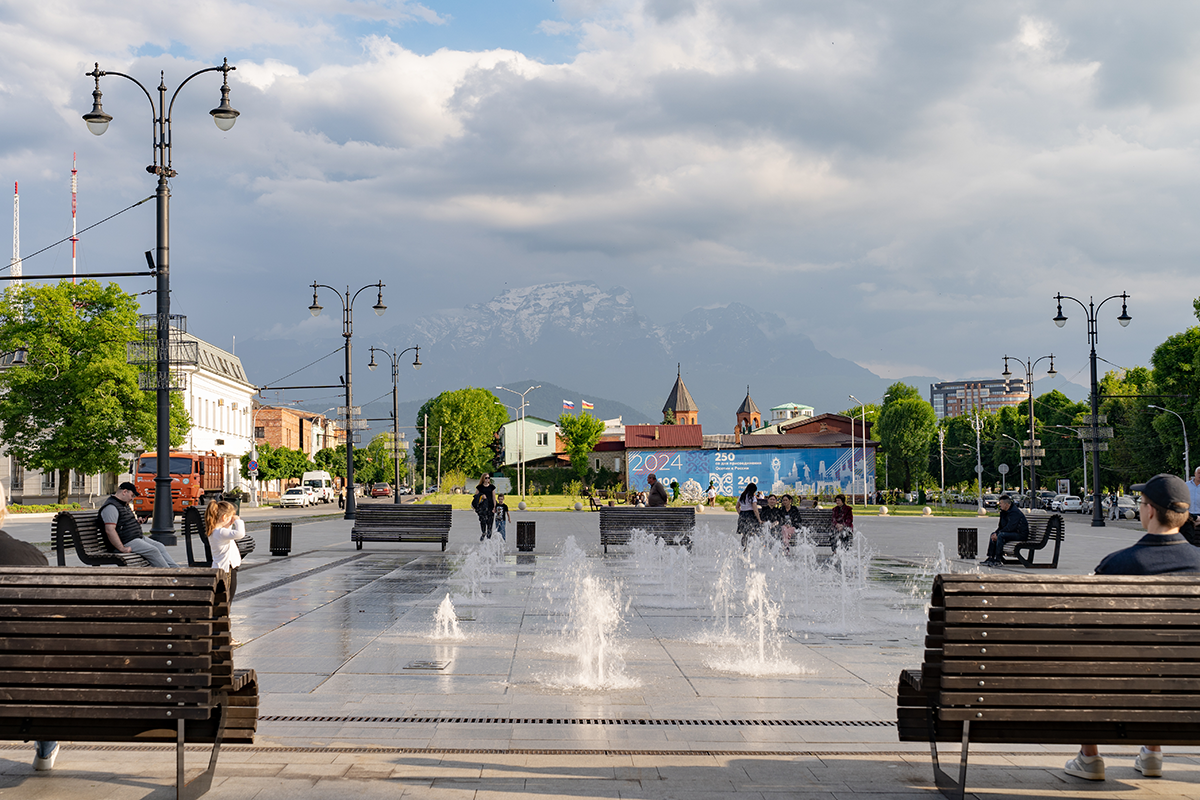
(359, 698)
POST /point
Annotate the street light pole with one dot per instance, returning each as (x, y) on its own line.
(162, 527)
(1091, 309)
(1187, 461)
(347, 334)
(521, 434)
(1020, 464)
(864, 447)
(1030, 364)
(395, 357)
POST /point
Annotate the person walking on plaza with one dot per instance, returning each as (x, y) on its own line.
(1193, 487)
(658, 493)
(502, 517)
(712, 492)
(1165, 505)
(749, 522)
(484, 505)
(124, 533)
(224, 529)
(1013, 527)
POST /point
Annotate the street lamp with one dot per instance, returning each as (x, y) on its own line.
(162, 526)
(1187, 462)
(347, 333)
(1091, 309)
(416, 364)
(521, 436)
(1030, 364)
(864, 447)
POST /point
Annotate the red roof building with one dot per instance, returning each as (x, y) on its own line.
(663, 437)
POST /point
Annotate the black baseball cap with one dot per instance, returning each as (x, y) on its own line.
(1166, 491)
(132, 488)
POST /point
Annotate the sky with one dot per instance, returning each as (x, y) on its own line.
(907, 184)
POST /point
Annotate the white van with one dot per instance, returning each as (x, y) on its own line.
(321, 483)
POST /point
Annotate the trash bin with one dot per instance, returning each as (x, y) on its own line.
(968, 542)
(281, 538)
(526, 534)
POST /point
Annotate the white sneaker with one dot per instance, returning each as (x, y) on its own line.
(1149, 763)
(47, 763)
(1090, 768)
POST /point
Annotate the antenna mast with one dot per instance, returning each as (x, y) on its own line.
(74, 228)
(15, 265)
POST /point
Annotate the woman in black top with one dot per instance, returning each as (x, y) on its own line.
(484, 503)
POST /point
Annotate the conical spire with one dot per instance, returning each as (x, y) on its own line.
(747, 406)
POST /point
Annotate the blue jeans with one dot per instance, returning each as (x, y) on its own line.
(500, 523)
(152, 551)
(996, 546)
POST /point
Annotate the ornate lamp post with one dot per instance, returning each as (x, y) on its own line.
(162, 527)
(348, 333)
(1092, 309)
(1029, 365)
(416, 364)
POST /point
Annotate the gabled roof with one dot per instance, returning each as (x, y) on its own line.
(680, 398)
(668, 437)
(747, 406)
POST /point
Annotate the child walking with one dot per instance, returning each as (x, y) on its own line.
(224, 528)
(502, 517)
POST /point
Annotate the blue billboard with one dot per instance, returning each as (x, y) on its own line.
(816, 471)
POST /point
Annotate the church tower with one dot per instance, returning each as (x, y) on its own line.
(749, 418)
(680, 402)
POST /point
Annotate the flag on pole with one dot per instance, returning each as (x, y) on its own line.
(587, 406)
(569, 405)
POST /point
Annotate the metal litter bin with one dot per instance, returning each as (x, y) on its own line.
(526, 534)
(281, 538)
(968, 542)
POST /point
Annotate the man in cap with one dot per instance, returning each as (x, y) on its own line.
(124, 533)
(1164, 508)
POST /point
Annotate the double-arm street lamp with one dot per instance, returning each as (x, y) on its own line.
(348, 333)
(1187, 461)
(1092, 309)
(1030, 364)
(162, 527)
(521, 436)
(416, 364)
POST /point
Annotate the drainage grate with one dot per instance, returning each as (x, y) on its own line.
(813, 723)
(435, 665)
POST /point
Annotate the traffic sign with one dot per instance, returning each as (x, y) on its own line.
(1088, 447)
(252, 466)
(354, 411)
(1002, 469)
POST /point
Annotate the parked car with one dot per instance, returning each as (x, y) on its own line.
(991, 500)
(381, 490)
(1087, 504)
(1071, 503)
(1128, 508)
(295, 497)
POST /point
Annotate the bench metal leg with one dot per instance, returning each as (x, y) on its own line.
(952, 789)
(202, 782)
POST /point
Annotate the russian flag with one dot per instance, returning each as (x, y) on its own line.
(587, 406)
(569, 405)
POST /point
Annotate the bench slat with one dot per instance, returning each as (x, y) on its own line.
(182, 680)
(53, 627)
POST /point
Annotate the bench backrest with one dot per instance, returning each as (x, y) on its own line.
(1043, 529)
(820, 520)
(411, 515)
(650, 519)
(1065, 649)
(83, 531)
(133, 648)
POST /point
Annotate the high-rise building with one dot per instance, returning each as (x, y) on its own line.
(953, 398)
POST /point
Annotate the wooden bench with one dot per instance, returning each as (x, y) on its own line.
(674, 525)
(1055, 659)
(135, 655)
(387, 522)
(819, 522)
(83, 531)
(194, 525)
(1042, 531)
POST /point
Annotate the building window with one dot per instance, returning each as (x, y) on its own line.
(260, 432)
(543, 439)
(17, 481)
(78, 481)
(48, 479)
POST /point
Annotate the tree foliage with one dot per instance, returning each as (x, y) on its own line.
(76, 404)
(579, 435)
(907, 425)
(278, 463)
(468, 420)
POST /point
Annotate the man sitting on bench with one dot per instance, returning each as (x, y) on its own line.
(1013, 527)
(1164, 508)
(124, 532)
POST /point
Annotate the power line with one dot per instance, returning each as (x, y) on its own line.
(85, 230)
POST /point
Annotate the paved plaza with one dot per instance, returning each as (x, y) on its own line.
(790, 693)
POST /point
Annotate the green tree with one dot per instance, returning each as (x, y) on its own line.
(906, 427)
(76, 405)
(468, 420)
(579, 435)
(669, 417)
(332, 460)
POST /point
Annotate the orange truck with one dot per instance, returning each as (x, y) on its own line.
(196, 479)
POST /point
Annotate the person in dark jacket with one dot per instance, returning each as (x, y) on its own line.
(658, 493)
(1013, 528)
(123, 533)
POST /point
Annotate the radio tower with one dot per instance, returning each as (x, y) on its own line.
(15, 265)
(74, 230)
